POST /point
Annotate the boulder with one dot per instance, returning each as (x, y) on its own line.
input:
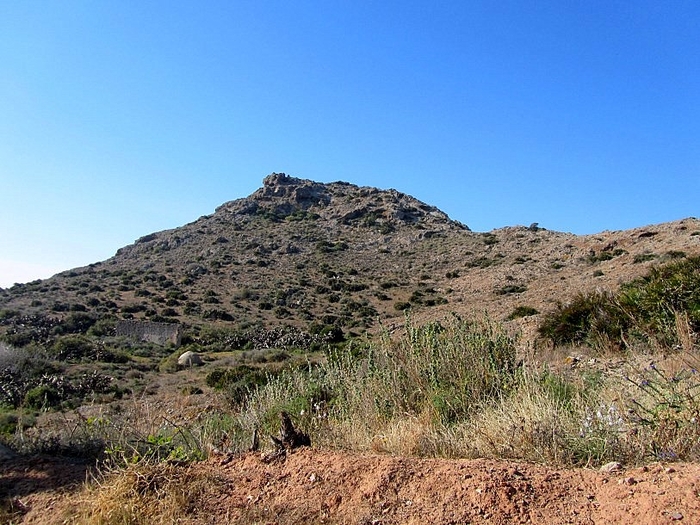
(190, 358)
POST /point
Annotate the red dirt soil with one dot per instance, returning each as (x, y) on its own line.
(318, 486)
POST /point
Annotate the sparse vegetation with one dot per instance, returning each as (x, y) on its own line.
(511, 288)
(455, 388)
(489, 239)
(644, 257)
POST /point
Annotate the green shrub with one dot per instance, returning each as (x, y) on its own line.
(169, 363)
(8, 422)
(588, 318)
(104, 327)
(658, 307)
(217, 314)
(480, 262)
(643, 257)
(656, 300)
(599, 257)
(75, 347)
(329, 333)
(6, 314)
(490, 239)
(42, 397)
(416, 297)
(675, 254)
(20, 370)
(511, 289)
(237, 382)
(522, 311)
(133, 308)
(216, 339)
(449, 369)
(330, 247)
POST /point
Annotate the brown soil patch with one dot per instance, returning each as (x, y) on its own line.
(317, 486)
(313, 486)
(33, 487)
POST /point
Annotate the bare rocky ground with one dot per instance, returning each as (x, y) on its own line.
(320, 486)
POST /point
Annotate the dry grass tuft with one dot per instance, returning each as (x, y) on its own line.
(143, 494)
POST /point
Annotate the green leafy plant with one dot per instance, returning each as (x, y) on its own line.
(667, 295)
(587, 318)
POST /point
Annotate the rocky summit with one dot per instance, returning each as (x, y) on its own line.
(307, 254)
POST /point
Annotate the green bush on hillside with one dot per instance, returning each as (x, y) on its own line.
(648, 308)
(237, 382)
(588, 318)
(656, 300)
(522, 311)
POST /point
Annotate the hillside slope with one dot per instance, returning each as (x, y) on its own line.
(313, 256)
(302, 253)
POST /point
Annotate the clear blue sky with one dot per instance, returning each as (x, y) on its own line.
(120, 118)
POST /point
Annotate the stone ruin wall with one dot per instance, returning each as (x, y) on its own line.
(158, 333)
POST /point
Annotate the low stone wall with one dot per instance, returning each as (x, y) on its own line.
(158, 333)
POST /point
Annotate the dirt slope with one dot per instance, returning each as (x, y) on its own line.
(317, 486)
(314, 486)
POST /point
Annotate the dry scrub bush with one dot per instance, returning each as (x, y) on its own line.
(139, 430)
(632, 415)
(529, 425)
(548, 419)
(664, 407)
(143, 494)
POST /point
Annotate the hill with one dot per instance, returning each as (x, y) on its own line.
(305, 254)
(334, 303)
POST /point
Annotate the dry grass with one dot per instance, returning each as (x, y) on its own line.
(142, 494)
(417, 396)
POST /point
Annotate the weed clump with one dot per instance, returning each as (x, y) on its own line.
(665, 407)
(522, 311)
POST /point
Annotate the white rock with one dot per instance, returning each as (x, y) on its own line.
(190, 358)
(613, 466)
